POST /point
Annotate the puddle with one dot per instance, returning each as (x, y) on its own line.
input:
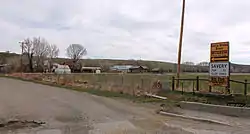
(16, 124)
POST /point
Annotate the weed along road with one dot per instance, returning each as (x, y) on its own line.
(29, 108)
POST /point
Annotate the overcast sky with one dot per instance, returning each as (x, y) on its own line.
(130, 29)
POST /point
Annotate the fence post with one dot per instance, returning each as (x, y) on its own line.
(58, 79)
(245, 88)
(182, 90)
(193, 88)
(197, 84)
(228, 85)
(142, 83)
(173, 83)
(210, 88)
(122, 80)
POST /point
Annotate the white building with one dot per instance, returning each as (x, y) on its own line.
(61, 69)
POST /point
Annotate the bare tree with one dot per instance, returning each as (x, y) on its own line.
(41, 52)
(188, 63)
(36, 50)
(53, 53)
(188, 66)
(203, 63)
(76, 51)
(28, 49)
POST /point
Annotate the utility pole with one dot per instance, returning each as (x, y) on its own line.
(180, 42)
(21, 60)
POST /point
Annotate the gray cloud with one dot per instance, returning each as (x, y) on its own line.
(130, 29)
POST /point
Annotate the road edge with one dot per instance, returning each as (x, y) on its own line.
(193, 118)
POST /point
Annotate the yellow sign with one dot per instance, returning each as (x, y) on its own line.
(219, 47)
(219, 51)
(219, 59)
(219, 81)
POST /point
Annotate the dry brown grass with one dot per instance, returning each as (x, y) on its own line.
(132, 83)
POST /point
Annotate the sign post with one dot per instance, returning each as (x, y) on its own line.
(219, 71)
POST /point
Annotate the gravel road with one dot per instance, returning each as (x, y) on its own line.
(69, 112)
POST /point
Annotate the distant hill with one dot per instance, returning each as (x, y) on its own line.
(166, 66)
(239, 68)
(5, 55)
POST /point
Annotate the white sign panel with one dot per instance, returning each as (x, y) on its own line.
(220, 69)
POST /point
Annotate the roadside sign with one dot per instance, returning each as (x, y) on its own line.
(219, 69)
(219, 81)
(219, 51)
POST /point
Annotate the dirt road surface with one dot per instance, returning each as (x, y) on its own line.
(29, 108)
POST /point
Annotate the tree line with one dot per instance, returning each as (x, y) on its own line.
(38, 55)
(192, 67)
(37, 50)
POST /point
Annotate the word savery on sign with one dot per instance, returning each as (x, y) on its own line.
(219, 69)
(219, 65)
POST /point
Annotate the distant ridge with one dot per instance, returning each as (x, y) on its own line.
(167, 66)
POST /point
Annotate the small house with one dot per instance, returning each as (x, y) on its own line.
(91, 69)
(157, 70)
(121, 68)
(138, 69)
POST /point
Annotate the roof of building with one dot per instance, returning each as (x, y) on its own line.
(121, 67)
(136, 67)
(92, 68)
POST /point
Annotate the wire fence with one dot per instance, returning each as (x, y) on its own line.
(132, 83)
(125, 83)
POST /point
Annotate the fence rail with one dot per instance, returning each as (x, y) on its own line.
(197, 81)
